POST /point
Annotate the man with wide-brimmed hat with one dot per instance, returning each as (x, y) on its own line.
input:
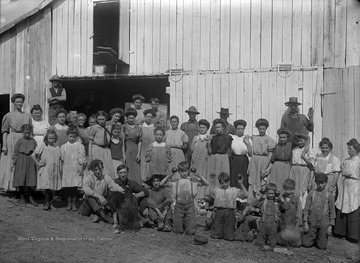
(229, 128)
(295, 121)
(56, 98)
(191, 128)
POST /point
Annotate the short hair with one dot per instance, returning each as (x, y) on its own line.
(116, 110)
(289, 184)
(72, 130)
(224, 177)
(221, 121)
(27, 127)
(271, 186)
(327, 142)
(205, 123)
(240, 122)
(262, 122)
(36, 107)
(121, 167)
(354, 143)
(159, 128)
(49, 132)
(61, 111)
(146, 112)
(71, 114)
(115, 126)
(102, 113)
(183, 166)
(175, 117)
(82, 115)
(96, 164)
(92, 116)
(283, 131)
(156, 100)
(17, 96)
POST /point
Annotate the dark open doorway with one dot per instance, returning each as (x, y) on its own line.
(4, 107)
(90, 95)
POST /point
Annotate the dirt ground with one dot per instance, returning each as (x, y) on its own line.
(29, 234)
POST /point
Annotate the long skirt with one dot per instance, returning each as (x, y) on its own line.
(103, 154)
(130, 159)
(239, 165)
(6, 174)
(279, 173)
(301, 176)
(348, 225)
(218, 163)
(256, 165)
(25, 171)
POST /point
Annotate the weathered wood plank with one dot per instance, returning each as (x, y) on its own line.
(216, 93)
(201, 96)
(205, 35)
(245, 39)
(179, 33)
(148, 39)
(71, 37)
(340, 34)
(209, 109)
(83, 37)
(317, 27)
(266, 41)
(277, 37)
(172, 36)
(224, 35)
(215, 34)
(124, 34)
(90, 42)
(140, 39)
(232, 96)
(193, 91)
(248, 107)
(196, 35)
(329, 33)
(240, 96)
(296, 33)
(77, 38)
(187, 41)
(224, 91)
(287, 30)
(164, 35)
(353, 34)
(306, 33)
(133, 35)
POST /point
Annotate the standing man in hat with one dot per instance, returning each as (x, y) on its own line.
(56, 98)
(191, 128)
(295, 121)
(229, 128)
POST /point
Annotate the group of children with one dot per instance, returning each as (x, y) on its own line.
(292, 215)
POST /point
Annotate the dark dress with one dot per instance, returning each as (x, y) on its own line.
(25, 166)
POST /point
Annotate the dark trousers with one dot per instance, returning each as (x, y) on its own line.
(317, 236)
(224, 224)
(267, 233)
(89, 206)
(184, 218)
(348, 225)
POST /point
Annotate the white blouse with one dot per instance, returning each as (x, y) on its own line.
(40, 129)
(238, 146)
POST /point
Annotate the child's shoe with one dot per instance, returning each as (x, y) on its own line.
(167, 228)
(266, 248)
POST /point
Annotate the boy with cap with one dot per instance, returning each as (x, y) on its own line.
(319, 214)
(159, 203)
(184, 190)
(290, 216)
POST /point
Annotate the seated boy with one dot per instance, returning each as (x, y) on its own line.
(184, 191)
(269, 209)
(225, 204)
(246, 226)
(96, 186)
(319, 214)
(159, 204)
(290, 216)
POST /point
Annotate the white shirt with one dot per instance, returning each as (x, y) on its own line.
(238, 146)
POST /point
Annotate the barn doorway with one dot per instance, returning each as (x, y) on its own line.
(4, 108)
(91, 95)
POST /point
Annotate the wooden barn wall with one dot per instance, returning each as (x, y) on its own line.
(341, 107)
(234, 34)
(72, 32)
(56, 40)
(249, 96)
(25, 55)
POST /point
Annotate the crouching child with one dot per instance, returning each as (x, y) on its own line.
(184, 191)
(159, 203)
(96, 186)
(224, 222)
(246, 226)
(319, 215)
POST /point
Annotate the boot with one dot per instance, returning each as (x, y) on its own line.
(104, 217)
(74, 208)
(32, 201)
(69, 206)
(21, 201)
(47, 202)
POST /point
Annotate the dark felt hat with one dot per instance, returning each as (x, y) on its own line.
(224, 111)
(151, 178)
(55, 78)
(292, 100)
(240, 122)
(200, 240)
(321, 177)
(138, 97)
(192, 109)
(262, 122)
